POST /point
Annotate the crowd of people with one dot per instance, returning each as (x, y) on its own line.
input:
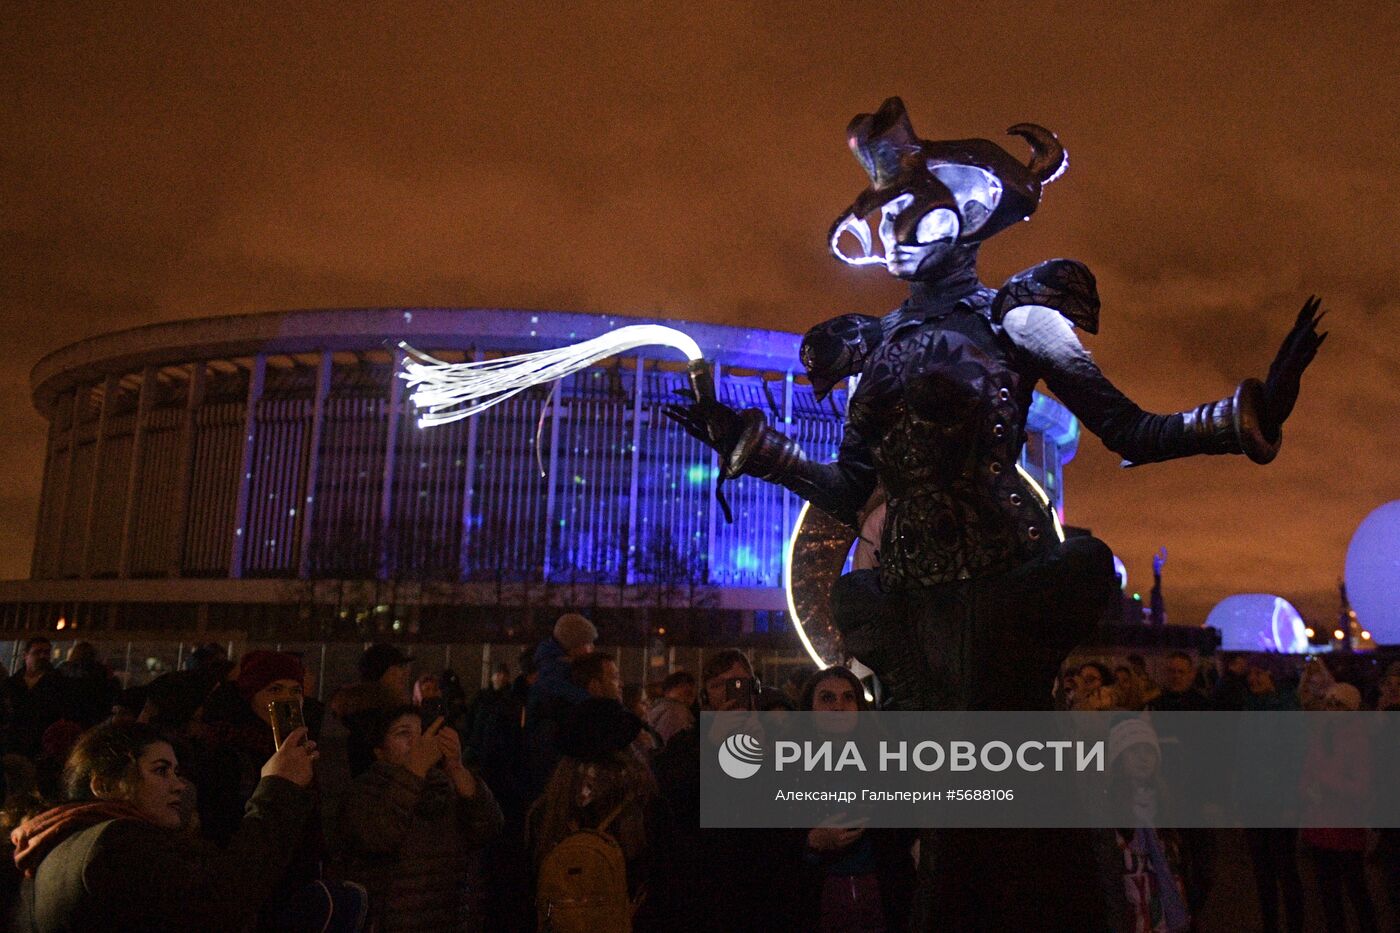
(225, 796)
(1168, 873)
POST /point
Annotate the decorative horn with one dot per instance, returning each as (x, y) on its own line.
(1048, 157)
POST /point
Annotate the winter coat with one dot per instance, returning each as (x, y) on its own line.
(409, 841)
(229, 765)
(31, 710)
(552, 695)
(554, 681)
(1335, 785)
(495, 743)
(130, 875)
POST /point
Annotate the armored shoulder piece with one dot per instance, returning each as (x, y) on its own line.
(838, 348)
(1062, 284)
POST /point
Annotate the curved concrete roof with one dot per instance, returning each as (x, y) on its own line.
(177, 342)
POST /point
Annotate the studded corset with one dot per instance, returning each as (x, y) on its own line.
(943, 407)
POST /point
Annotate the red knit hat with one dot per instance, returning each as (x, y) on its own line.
(260, 668)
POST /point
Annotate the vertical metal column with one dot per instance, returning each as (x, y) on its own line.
(37, 569)
(713, 528)
(307, 513)
(109, 390)
(468, 490)
(66, 492)
(789, 500)
(193, 399)
(133, 476)
(256, 377)
(384, 553)
(553, 478)
(638, 385)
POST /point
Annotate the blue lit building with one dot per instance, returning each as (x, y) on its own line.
(265, 474)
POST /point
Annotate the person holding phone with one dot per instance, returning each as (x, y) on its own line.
(116, 858)
(850, 877)
(408, 826)
(743, 869)
(269, 687)
(244, 734)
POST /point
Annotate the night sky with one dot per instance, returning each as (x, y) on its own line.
(1227, 160)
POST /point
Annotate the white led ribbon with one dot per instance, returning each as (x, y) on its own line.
(445, 392)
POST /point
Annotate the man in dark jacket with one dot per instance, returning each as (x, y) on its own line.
(90, 685)
(35, 698)
(1180, 695)
(718, 880)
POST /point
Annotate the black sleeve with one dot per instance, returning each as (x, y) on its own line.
(1137, 436)
(840, 488)
(1070, 372)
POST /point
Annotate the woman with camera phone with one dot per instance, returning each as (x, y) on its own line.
(119, 858)
(410, 823)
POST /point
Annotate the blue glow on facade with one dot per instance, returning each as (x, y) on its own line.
(631, 502)
(627, 498)
(745, 560)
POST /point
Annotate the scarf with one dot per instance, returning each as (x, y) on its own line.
(36, 837)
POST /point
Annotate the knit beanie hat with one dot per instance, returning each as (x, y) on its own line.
(1124, 735)
(260, 668)
(573, 631)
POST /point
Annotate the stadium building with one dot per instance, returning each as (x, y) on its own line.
(262, 479)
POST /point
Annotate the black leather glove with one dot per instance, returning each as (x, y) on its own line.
(1286, 372)
(714, 424)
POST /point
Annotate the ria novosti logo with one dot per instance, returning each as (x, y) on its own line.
(740, 756)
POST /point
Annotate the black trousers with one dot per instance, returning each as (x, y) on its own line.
(1341, 877)
(1274, 856)
(993, 643)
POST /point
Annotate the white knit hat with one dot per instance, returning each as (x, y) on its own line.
(573, 631)
(1130, 732)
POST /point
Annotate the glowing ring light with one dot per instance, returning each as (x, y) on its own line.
(807, 646)
(797, 623)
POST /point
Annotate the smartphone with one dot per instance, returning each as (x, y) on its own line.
(431, 709)
(741, 689)
(286, 719)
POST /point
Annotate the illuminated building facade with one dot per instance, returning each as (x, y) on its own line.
(264, 474)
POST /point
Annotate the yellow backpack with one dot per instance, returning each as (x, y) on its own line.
(583, 884)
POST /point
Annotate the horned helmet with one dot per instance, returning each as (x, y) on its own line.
(951, 192)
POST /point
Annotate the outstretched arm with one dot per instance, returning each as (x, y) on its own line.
(1249, 422)
(747, 446)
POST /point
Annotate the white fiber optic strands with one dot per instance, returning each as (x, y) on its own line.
(444, 392)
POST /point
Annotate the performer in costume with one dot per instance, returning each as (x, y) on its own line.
(970, 566)
(971, 569)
